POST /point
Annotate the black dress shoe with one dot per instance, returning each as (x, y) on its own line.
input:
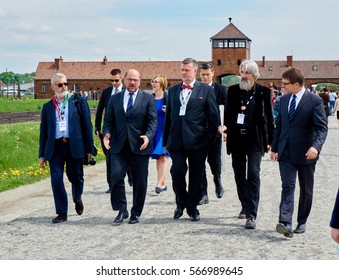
(301, 228)
(60, 218)
(130, 182)
(204, 200)
(219, 191)
(108, 191)
(79, 207)
(133, 219)
(195, 217)
(242, 214)
(178, 212)
(285, 229)
(121, 216)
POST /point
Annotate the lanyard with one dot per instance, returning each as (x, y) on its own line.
(183, 100)
(61, 111)
(244, 104)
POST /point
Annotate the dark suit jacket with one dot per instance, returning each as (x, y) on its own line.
(102, 105)
(81, 142)
(220, 92)
(307, 129)
(263, 116)
(200, 123)
(143, 121)
(335, 214)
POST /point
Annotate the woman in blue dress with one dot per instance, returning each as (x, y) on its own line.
(159, 86)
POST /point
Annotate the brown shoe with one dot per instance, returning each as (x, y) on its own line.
(79, 207)
(250, 224)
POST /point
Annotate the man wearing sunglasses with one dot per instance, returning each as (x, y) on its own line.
(115, 87)
(66, 137)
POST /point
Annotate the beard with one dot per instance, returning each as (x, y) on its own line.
(245, 85)
(62, 94)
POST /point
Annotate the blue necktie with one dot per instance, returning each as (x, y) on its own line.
(129, 105)
(291, 112)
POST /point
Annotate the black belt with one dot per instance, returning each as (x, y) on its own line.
(243, 131)
(62, 139)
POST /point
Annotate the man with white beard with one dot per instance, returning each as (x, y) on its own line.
(249, 125)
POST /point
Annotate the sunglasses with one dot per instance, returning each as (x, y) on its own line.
(115, 81)
(205, 66)
(60, 85)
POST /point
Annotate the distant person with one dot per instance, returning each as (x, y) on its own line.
(249, 121)
(191, 121)
(65, 138)
(159, 86)
(326, 101)
(334, 224)
(333, 97)
(336, 110)
(299, 135)
(214, 149)
(130, 124)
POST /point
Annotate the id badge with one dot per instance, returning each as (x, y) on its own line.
(182, 110)
(62, 126)
(241, 118)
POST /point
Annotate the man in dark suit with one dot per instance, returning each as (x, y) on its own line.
(130, 124)
(65, 137)
(214, 150)
(249, 120)
(117, 86)
(300, 133)
(334, 224)
(191, 121)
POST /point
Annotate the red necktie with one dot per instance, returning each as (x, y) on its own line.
(186, 86)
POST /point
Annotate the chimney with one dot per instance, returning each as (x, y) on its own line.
(104, 61)
(57, 62)
(289, 60)
(230, 19)
(263, 61)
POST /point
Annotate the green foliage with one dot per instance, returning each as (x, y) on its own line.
(25, 104)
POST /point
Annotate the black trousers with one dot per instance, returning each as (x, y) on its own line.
(288, 174)
(214, 161)
(188, 198)
(246, 161)
(138, 164)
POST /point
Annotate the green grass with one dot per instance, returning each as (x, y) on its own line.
(19, 163)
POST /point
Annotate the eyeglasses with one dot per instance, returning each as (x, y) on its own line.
(286, 84)
(115, 81)
(60, 85)
(205, 66)
(155, 82)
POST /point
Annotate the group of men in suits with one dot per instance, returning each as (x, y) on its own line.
(192, 124)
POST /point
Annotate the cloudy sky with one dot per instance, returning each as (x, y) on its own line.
(142, 30)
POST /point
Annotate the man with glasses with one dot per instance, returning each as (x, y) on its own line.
(66, 137)
(130, 124)
(249, 121)
(115, 87)
(214, 149)
(301, 131)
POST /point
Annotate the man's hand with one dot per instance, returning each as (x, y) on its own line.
(42, 162)
(106, 141)
(335, 234)
(274, 156)
(146, 141)
(312, 153)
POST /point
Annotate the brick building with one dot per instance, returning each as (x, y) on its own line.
(229, 47)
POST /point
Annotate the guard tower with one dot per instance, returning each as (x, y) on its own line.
(229, 47)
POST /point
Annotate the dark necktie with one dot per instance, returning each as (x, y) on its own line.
(129, 105)
(186, 86)
(291, 112)
(115, 91)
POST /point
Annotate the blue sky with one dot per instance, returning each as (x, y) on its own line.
(142, 30)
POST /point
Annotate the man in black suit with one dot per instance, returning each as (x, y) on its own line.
(117, 86)
(191, 121)
(249, 120)
(66, 137)
(334, 224)
(214, 150)
(300, 133)
(130, 124)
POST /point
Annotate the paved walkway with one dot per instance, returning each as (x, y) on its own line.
(26, 231)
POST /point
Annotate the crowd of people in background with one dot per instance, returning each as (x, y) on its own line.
(183, 123)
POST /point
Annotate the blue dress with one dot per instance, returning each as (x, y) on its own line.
(157, 140)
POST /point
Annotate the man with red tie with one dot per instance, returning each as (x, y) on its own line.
(191, 122)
